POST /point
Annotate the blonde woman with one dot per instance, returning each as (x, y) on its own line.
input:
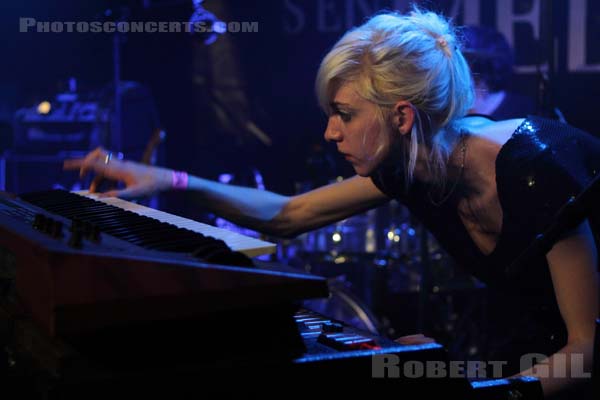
(396, 91)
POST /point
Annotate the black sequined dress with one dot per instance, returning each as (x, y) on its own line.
(538, 169)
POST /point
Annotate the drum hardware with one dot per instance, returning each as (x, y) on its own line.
(356, 234)
(383, 285)
(367, 257)
(401, 241)
(344, 305)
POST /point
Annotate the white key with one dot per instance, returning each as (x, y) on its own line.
(247, 245)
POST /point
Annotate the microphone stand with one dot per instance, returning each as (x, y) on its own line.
(425, 284)
(116, 139)
(548, 40)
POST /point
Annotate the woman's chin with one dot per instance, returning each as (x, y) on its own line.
(363, 170)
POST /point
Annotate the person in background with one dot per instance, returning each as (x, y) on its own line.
(491, 60)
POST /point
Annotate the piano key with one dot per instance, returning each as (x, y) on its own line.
(237, 242)
(142, 225)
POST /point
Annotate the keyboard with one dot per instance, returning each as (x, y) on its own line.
(81, 264)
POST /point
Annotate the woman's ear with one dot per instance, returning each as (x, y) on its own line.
(403, 117)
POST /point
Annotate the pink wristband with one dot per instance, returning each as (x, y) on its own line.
(179, 180)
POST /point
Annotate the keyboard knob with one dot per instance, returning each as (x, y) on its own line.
(48, 226)
(95, 235)
(39, 221)
(87, 228)
(76, 225)
(76, 239)
(57, 228)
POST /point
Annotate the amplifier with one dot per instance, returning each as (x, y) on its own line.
(61, 126)
(76, 122)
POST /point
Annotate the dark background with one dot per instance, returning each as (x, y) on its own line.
(266, 76)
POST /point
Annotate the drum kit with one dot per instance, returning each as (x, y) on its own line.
(375, 263)
(387, 274)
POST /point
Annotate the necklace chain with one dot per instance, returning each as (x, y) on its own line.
(463, 150)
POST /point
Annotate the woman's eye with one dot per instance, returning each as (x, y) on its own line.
(346, 117)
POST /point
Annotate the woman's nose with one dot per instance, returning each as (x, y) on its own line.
(332, 132)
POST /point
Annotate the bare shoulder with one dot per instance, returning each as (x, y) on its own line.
(498, 132)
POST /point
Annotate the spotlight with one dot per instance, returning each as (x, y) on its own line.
(44, 107)
(336, 237)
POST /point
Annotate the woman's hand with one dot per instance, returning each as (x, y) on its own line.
(140, 180)
(415, 339)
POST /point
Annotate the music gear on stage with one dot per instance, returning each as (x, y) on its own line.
(111, 298)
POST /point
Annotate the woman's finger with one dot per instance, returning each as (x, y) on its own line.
(81, 163)
(93, 161)
(127, 193)
(96, 183)
(72, 163)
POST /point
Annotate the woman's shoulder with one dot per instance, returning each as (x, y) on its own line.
(542, 165)
(545, 146)
(524, 139)
(493, 132)
(535, 137)
(498, 131)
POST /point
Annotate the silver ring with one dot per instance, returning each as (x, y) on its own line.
(107, 158)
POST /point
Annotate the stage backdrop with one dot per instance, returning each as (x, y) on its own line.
(247, 100)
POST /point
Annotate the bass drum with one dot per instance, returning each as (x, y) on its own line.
(345, 306)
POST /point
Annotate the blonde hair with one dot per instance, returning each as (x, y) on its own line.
(413, 57)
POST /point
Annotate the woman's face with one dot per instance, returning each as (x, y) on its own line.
(354, 127)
